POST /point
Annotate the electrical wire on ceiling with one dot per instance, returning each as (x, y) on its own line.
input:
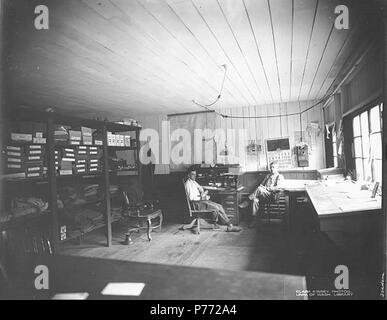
(272, 116)
(226, 116)
(205, 106)
(264, 117)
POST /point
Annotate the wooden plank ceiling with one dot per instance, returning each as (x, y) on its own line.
(123, 58)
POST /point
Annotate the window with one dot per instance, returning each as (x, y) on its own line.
(331, 147)
(334, 147)
(367, 144)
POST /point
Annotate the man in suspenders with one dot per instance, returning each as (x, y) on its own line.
(267, 190)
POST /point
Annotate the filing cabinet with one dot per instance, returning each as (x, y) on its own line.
(229, 201)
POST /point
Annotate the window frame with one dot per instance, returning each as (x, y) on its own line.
(334, 146)
(332, 160)
(364, 157)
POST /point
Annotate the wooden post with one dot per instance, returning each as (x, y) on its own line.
(52, 182)
(108, 218)
(138, 162)
(384, 166)
(4, 92)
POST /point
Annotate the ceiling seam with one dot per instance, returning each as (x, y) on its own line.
(205, 50)
(177, 40)
(241, 51)
(156, 54)
(321, 58)
(291, 54)
(146, 34)
(334, 62)
(350, 33)
(93, 80)
(275, 49)
(258, 51)
(307, 52)
(217, 41)
(123, 58)
(220, 45)
(344, 64)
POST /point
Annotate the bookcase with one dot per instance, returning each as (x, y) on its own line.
(92, 155)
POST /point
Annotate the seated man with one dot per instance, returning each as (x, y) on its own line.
(196, 192)
(267, 190)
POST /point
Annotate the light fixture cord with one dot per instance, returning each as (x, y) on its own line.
(219, 95)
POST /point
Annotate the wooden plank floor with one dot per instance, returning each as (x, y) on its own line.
(265, 250)
(262, 250)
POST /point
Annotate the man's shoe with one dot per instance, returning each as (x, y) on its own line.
(233, 229)
(195, 230)
(216, 227)
(244, 204)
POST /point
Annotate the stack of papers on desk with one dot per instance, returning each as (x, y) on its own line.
(210, 188)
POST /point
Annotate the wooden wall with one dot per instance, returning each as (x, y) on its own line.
(384, 204)
(250, 180)
(260, 126)
(367, 84)
(2, 87)
(363, 87)
(284, 125)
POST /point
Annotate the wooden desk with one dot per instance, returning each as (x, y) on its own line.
(294, 191)
(296, 185)
(82, 274)
(336, 201)
(229, 199)
(338, 198)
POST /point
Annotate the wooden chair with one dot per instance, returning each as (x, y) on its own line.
(198, 216)
(274, 210)
(4, 281)
(140, 211)
(3, 276)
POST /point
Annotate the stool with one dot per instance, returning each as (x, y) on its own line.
(142, 216)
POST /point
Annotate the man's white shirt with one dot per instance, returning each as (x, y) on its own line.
(193, 190)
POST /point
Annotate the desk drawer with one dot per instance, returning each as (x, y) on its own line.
(230, 196)
(227, 203)
(231, 209)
